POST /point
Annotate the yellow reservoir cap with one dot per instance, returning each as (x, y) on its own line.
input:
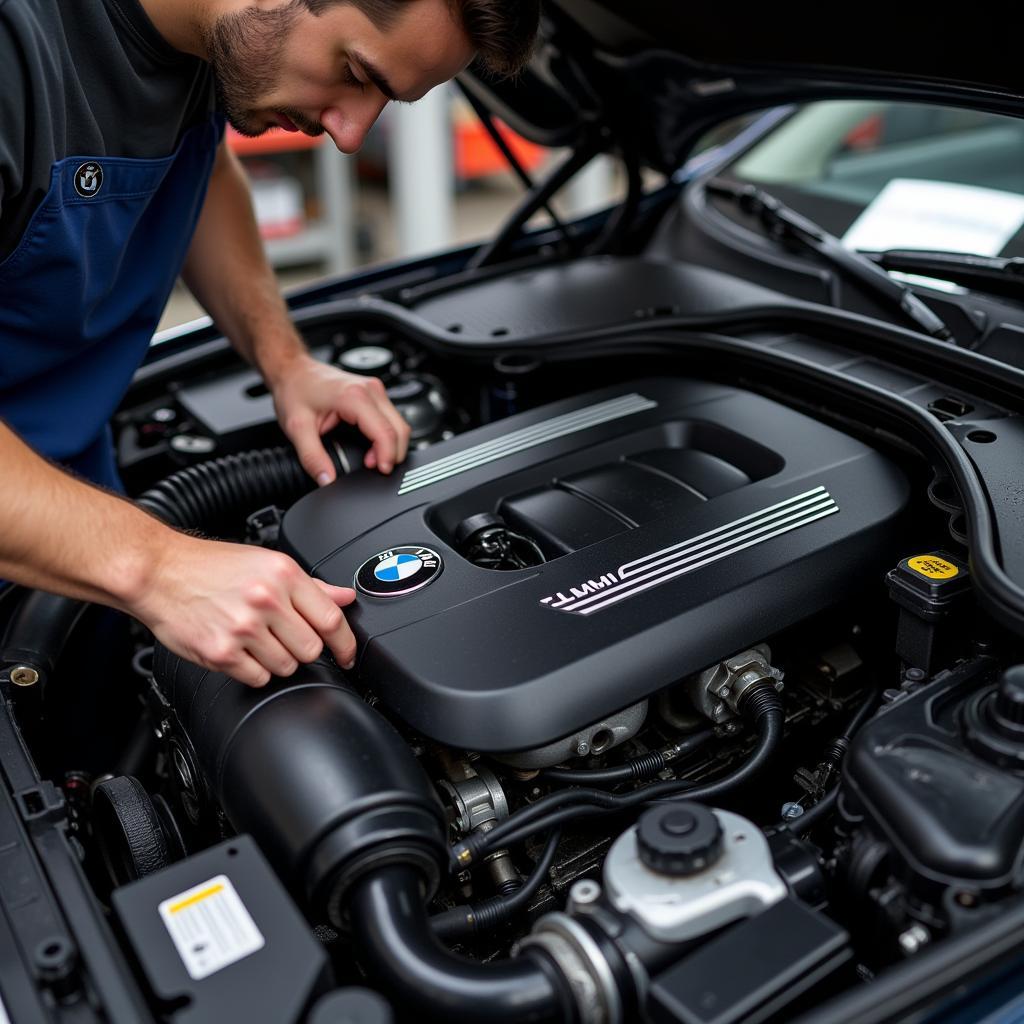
(933, 567)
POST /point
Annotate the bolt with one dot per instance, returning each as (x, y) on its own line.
(914, 938)
(584, 893)
(966, 899)
(163, 415)
(192, 444)
(914, 675)
(791, 810)
(24, 675)
(582, 748)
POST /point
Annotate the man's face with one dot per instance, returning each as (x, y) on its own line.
(281, 65)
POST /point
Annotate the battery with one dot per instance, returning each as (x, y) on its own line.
(929, 588)
(219, 938)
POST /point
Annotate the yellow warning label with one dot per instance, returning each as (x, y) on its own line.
(934, 568)
(196, 898)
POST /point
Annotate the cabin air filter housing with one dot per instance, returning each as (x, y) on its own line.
(680, 520)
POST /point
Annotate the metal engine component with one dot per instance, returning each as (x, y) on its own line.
(594, 739)
(741, 881)
(477, 799)
(717, 691)
(582, 964)
(24, 675)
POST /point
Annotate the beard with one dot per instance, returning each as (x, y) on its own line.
(245, 51)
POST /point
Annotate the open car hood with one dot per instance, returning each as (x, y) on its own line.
(650, 76)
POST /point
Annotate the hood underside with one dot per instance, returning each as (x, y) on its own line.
(659, 73)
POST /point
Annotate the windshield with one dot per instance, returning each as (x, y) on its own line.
(898, 175)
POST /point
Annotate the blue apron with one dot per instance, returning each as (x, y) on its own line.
(83, 292)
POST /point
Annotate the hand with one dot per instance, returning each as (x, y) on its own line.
(244, 611)
(313, 397)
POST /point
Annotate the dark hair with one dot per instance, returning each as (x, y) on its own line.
(501, 31)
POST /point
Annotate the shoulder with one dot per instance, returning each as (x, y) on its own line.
(27, 39)
(15, 36)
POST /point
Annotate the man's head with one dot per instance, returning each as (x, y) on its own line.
(333, 65)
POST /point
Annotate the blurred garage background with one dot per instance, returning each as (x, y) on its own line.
(428, 178)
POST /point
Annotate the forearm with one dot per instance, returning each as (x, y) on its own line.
(235, 608)
(227, 270)
(61, 534)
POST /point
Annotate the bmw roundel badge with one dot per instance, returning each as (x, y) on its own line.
(398, 571)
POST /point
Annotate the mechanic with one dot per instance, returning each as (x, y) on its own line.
(115, 176)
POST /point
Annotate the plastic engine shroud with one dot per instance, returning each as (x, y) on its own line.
(682, 521)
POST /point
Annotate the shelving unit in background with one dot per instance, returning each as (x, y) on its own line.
(330, 237)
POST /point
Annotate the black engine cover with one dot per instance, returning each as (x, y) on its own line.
(682, 520)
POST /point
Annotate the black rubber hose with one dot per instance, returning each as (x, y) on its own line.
(861, 715)
(399, 949)
(38, 630)
(637, 769)
(466, 920)
(814, 814)
(215, 496)
(566, 805)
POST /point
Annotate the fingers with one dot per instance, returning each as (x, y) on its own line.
(311, 402)
(398, 423)
(320, 605)
(341, 596)
(271, 654)
(297, 638)
(247, 612)
(246, 669)
(303, 433)
(369, 413)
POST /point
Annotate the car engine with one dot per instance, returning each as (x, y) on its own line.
(640, 522)
(659, 673)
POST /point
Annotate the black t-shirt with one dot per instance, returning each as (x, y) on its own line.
(86, 78)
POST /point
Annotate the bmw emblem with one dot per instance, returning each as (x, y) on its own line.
(398, 571)
(88, 179)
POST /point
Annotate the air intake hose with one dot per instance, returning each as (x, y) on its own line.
(337, 802)
(324, 784)
(401, 952)
(215, 496)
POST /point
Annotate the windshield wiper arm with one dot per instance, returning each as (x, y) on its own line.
(782, 221)
(995, 274)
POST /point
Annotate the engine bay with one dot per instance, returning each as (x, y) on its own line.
(660, 672)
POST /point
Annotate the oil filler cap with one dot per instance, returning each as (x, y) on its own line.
(679, 839)
(398, 571)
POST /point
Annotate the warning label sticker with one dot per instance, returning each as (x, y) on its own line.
(934, 568)
(210, 927)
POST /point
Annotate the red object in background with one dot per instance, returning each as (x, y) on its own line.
(277, 140)
(867, 134)
(476, 155)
